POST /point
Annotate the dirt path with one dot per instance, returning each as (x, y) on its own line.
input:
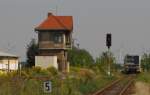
(142, 88)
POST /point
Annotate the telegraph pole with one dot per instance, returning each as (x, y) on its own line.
(108, 44)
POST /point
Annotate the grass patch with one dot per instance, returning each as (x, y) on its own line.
(95, 84)
(144, 77)
(80, 81)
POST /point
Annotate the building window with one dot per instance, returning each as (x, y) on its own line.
(58, 38)
(67, 39)
(44, 36)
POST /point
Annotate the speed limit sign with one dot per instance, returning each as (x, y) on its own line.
(47, 86)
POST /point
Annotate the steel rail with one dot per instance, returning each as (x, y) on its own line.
(122, 89)
(108, 86)
(126, 87)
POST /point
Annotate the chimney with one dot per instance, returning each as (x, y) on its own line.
(50, 14)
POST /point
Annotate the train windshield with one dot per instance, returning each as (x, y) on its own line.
(132, 59)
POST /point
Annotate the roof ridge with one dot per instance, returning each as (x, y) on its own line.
(7, 54)
(56, 22)
(60, 22)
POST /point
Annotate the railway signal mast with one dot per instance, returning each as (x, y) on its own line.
(108, 44)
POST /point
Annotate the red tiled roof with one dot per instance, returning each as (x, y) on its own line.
(56, 23)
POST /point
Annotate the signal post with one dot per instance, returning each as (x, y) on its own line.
(108, 44)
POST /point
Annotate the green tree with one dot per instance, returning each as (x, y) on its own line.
(145, 62)
(80, 57)
(32, 51)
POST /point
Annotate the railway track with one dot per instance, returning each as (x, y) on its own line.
(118, 87)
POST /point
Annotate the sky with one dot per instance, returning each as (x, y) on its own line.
(127, 20)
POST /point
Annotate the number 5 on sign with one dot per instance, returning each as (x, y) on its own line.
(47, 87)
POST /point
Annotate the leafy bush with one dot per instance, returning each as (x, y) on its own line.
(37, 69)
(52, 70)
(80, 57)
(86, 75)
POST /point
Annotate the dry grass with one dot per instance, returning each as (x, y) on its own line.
(80, 81)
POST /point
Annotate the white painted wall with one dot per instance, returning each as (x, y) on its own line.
(46, 61)
(13, 64)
